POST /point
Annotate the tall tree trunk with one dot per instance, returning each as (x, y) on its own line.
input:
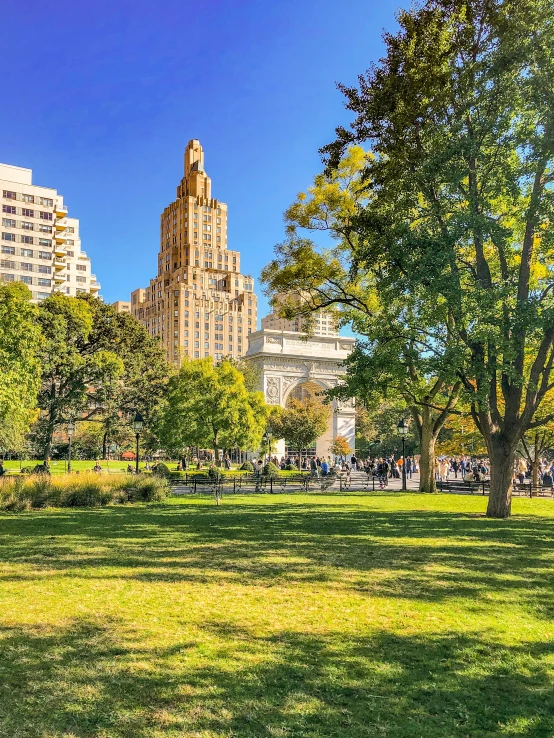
(427, 440)
(502, 456)
(105, 446)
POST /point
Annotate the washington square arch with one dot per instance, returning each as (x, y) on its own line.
(292, 366)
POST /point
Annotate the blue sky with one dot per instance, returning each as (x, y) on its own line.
(102, 96)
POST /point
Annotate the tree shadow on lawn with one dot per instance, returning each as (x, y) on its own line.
(427, 555)
(96, 678)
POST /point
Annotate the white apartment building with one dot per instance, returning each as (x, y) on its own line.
(39, 244)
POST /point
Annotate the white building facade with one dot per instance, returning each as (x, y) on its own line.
(39, 243)
(293, 366)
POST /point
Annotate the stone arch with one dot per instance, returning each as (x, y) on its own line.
(291, 386)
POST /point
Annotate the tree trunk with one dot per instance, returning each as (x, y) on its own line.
(534, 474)
(502, 456)
(105, 446)
(427, 440)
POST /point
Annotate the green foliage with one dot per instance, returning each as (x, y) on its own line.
(302, 423)
(19, 364)
(214, 473)
(162, 470)
(460, 116)
(97, 365)
(209, 406)
(79, 490)
(247, 466)
(270, 471)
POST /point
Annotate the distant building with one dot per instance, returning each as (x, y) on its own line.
(199, 304)
(40, 244)
(121, 306)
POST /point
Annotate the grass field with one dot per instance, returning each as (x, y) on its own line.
(405, 616)
(59, 466)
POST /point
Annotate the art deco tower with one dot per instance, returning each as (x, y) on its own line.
(199, 304)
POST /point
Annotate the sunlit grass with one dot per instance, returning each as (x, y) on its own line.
(403, 616)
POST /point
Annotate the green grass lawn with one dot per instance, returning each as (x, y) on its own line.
(59, 466)
(405, 616)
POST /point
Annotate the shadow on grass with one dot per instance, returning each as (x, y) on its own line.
(426, 555)
(98, 679)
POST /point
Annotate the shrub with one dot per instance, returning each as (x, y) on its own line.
(36, 491)
(40, 469)
(270, 470)
(146, 489)
(247, 466)
(161, 470)
(86, 492)
(291, 467)
(214, 473)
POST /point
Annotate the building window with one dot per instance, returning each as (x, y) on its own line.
(8, 249)
(26, 213)
(9, 195)
(43, 228)
(8, 236)
(81, 267)
(27, 198)
(26, 266)
(8, 209)
(27, 226)
(81, 279)
(42, 282)
(8, 278)
(6, 264)
(26, 280)
(46, 201)
(26, 239)
(45, 255)
(45, 216)
(43, 269)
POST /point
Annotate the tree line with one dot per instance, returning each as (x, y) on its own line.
(75, 359)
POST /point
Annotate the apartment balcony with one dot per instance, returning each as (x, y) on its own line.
(94, 285)
(59, 249)
(59, 277)
(61, 224)
(60, 210)
(59, 264)
(60, 236)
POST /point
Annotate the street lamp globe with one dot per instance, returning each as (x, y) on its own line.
(138, 422)
(402, 428)
(71, 429)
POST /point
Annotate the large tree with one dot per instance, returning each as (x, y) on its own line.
(409, 347)
(208, 405)
(20, 341)
(301, 423)
(97, 365)
(459, 115)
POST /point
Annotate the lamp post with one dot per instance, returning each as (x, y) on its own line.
(138, 422)
(402, 428)
(70, 434)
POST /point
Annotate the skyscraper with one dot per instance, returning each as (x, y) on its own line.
(40, 245)
(199, 304)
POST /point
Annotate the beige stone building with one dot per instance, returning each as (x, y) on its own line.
(199, 303)
(121, 306)
(40, 244)
(324, 322)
